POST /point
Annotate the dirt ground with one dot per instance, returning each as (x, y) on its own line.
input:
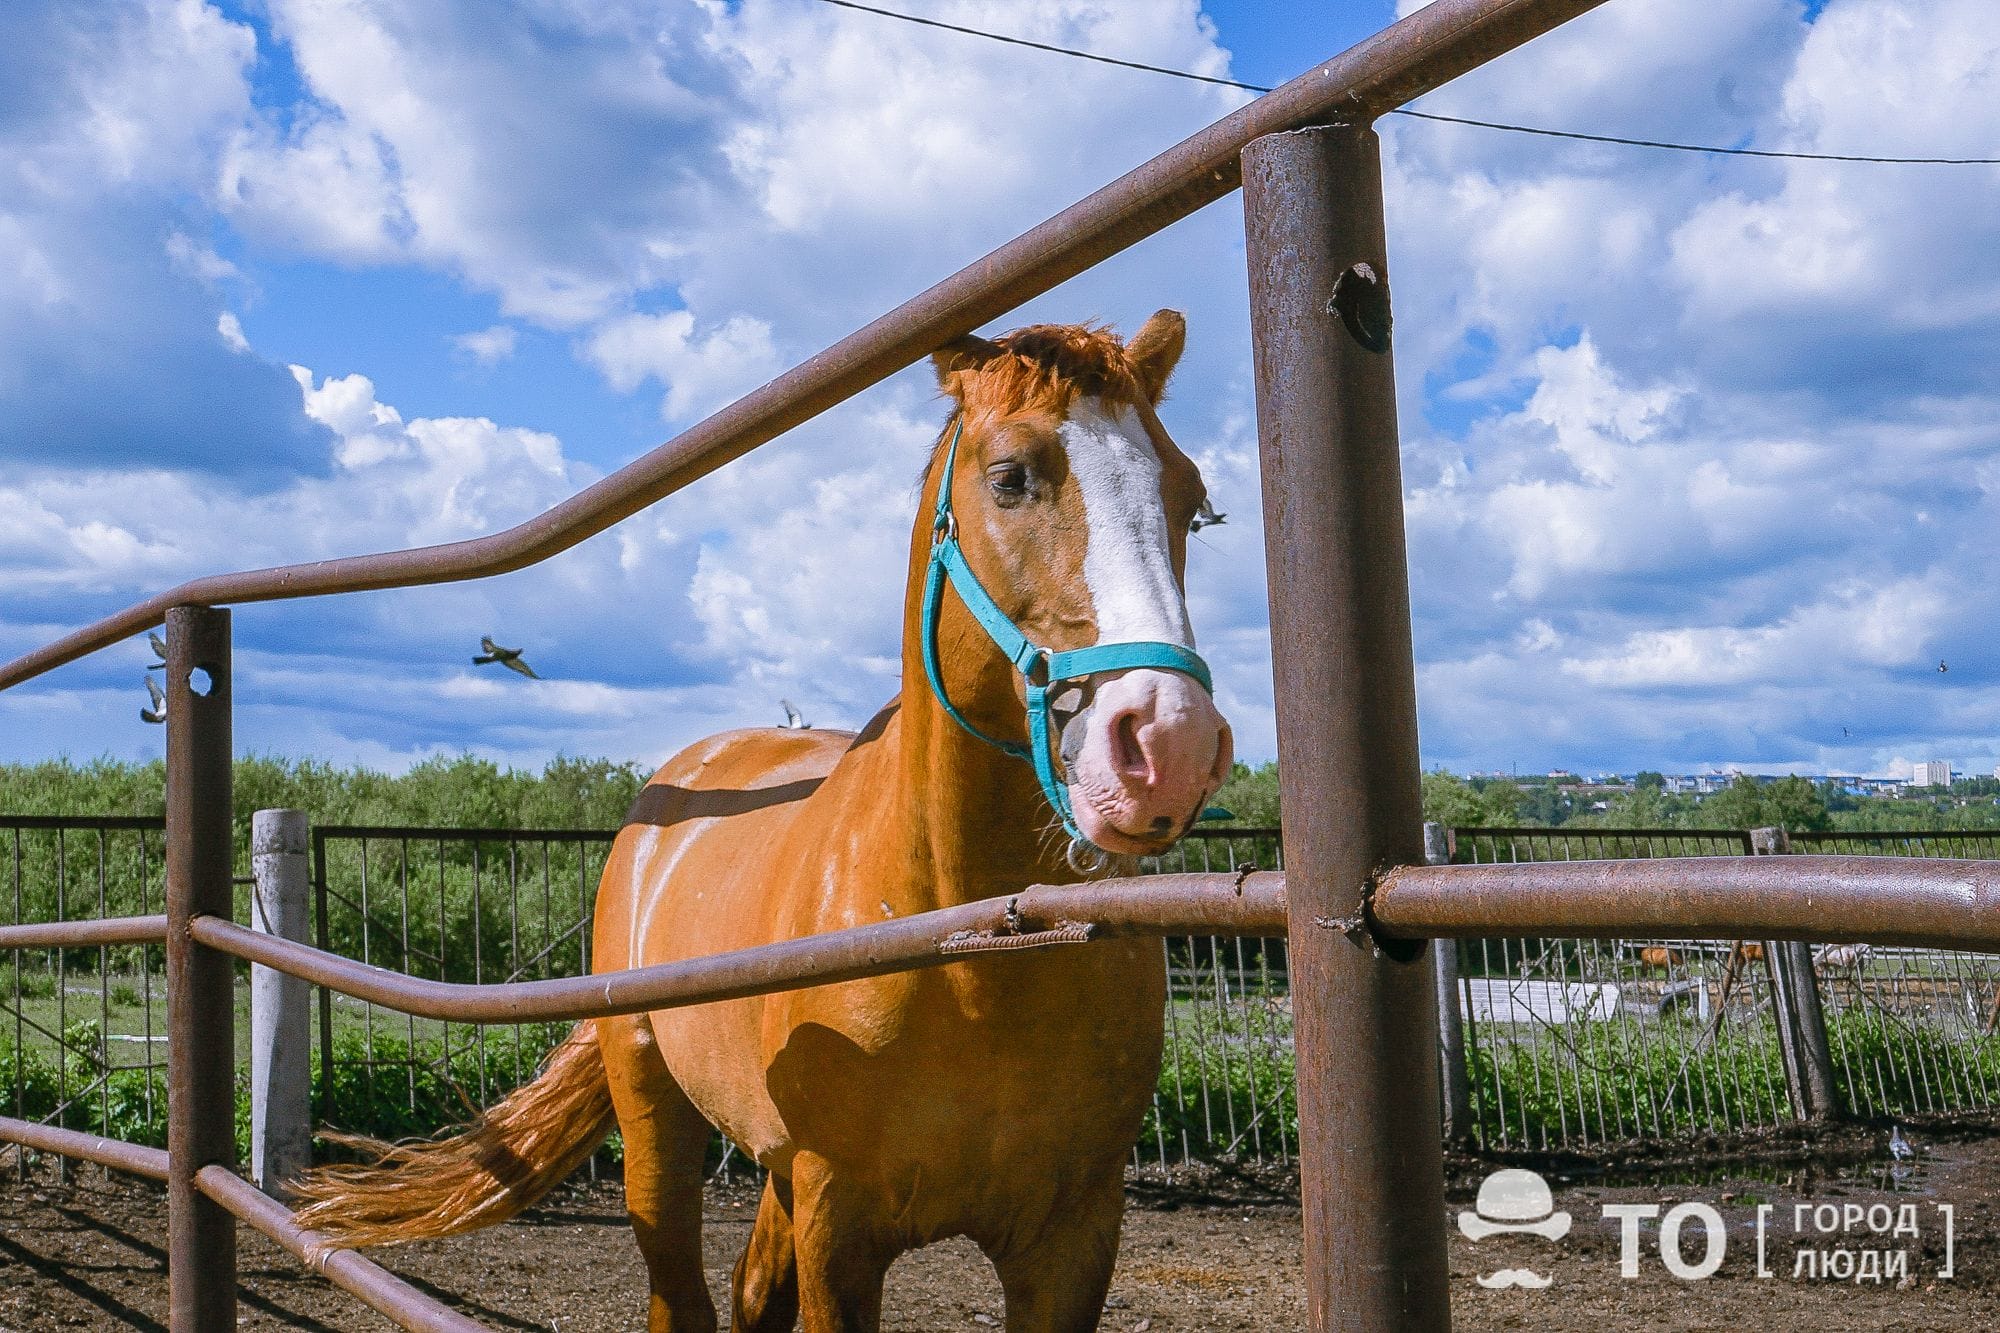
(1220, 1255)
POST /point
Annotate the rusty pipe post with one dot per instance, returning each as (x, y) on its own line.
(1371, 1165)
(201, 1008)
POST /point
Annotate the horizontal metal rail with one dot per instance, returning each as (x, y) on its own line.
(84, 823)
(1939, 904)
(76, 934)
(1580, 831)
(1410, 58)
(133, 1158)
(425, 832)
(1215, 904)
(381, 1290)
(362, 1278)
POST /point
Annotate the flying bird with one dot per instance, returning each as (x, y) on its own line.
(506, 657)
(1206, 517)
(794, 720)
(1943, 667)
(158, 712)
(159, 647)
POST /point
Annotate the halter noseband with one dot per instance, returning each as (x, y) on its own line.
(1042, 668)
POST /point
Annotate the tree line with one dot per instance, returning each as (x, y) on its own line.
(463, 791)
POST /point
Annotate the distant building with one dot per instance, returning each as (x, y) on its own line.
(1931, 773)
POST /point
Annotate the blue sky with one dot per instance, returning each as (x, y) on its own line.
(1702, 460)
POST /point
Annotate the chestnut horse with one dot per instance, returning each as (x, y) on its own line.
(997, 1099)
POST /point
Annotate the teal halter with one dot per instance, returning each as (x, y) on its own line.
(1042, 668)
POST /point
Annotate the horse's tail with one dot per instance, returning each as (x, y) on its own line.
(501, 1164)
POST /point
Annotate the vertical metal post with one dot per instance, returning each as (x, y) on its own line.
(321, 938)
(201, 1015)
(280, 1009)
(1802, 1042)
(1370, 1159)
(1455, 1083)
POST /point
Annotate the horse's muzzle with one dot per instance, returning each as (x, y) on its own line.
(1142, 759)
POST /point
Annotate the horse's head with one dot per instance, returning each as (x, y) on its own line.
(1071, 507)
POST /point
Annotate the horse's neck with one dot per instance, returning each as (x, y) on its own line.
(968, 821)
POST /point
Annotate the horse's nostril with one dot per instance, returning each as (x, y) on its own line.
(1164, 824)
(1131, 755)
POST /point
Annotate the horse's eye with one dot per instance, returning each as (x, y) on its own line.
(1009, 482)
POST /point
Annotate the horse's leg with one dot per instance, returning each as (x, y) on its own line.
(842, 1253)
(666, 1146)
(1055, 1282)
(765, 1293)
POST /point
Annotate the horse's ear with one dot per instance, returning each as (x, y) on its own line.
(1155, 350)
(967, 353)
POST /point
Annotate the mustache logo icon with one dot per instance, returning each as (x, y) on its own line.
(1514, 1277)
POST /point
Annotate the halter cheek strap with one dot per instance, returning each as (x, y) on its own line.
(1042, 669)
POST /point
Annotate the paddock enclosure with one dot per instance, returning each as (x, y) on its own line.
(1356, 902)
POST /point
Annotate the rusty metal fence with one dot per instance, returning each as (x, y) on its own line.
(1569, 1043)
(1356, 906)
(1915, 1031)
(503, 905)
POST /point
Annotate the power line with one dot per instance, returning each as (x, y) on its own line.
(1054, 50)
(1666, 145)
(1695, 147)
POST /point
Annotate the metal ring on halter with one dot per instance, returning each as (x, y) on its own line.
(1085, 857)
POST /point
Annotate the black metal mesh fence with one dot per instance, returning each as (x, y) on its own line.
(83, 1032)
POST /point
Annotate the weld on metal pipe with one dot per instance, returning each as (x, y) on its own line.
(1201, 904)
(1920, 903)
(201, 999)
(1371, 1167)
(1436, 44)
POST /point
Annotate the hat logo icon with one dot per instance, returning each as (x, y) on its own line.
(1514, 1201)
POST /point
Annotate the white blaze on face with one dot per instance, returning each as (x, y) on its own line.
(1151, 747)
(1125, 560)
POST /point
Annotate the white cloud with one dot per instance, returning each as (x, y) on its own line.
(700, 371)
(488, 346)
(326, 187)
(230, 329)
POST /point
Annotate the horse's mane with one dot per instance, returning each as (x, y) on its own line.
(1050, 365)
(1060, 361)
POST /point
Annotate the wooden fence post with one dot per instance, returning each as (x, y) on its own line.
(1456, 1086)
(1801, 1021)
(280, 1031)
